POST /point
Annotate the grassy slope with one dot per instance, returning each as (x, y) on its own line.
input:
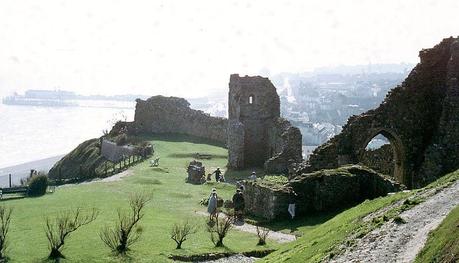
(443, 243)
(321, 242)
(173, 200)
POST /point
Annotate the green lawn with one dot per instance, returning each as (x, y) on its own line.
(173, 200)
(443, 243)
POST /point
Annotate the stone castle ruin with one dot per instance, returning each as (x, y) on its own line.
(257, 136)
(420, 118)
(160, 114)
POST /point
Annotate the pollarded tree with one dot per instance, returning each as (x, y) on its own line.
(220, 228)
(126, 232)
(5, 219)
(262, 234)
(62, 226)
(180, 232)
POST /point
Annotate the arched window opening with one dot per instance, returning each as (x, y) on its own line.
(379, 155)
(377, 142)
(251, 99)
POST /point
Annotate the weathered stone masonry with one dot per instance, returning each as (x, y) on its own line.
(257, 134)
(161, 114)
(420, 117)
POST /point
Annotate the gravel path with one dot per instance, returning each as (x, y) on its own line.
(232, 259)
(402, 242)
(273, 235)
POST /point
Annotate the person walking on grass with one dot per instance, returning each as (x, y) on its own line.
(292, 196)
(212, 205)
(239, 205)
(218, 174)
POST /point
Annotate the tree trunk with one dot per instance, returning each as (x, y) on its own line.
(179, 245)
(55, 254)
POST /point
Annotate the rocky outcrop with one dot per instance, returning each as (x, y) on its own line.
(161, 114)
(420, 118)
(82, 162)
(324, 190)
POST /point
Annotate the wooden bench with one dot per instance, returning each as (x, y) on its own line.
(13, 190)
(154, 163)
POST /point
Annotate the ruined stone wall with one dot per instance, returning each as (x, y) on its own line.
(324, 190)
(286, 146)
(380, 160)
(258, 136)
(419, 117)
(265, 200)
(161, 114)
(115, 153)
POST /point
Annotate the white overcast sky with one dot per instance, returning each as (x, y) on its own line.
(188, 48)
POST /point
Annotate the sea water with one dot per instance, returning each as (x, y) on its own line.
(30, 133)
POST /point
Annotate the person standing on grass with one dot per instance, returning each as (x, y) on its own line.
(212, 205)
(292, 196)
(218, 174)
(239, 204)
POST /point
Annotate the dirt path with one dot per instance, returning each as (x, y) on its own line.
(402, 242)
(113, 178)
(273, 235)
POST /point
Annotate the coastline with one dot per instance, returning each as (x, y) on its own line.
(23, 170)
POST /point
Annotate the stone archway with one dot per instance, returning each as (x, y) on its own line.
(397, 150)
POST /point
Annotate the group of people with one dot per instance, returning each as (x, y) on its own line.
(239, 203)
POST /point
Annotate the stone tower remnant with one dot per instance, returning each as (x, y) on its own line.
(257, 135)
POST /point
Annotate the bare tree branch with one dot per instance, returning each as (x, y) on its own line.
(180, 232)
(120, 237)
(220, 229)
(5, 219)
(59, 228)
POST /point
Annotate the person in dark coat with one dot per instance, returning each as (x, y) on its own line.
(218, 174)
(239, 204)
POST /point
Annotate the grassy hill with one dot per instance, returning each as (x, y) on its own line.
(443, 243)
(326, 240)
(173, 200)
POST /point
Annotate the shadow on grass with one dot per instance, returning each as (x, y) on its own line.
(146, 181)
(159, 169)
(231, 176)
(303, 221)
(180, 138)
(7, 198)
(198, 156)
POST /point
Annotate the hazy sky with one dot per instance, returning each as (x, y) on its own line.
(188, 48)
